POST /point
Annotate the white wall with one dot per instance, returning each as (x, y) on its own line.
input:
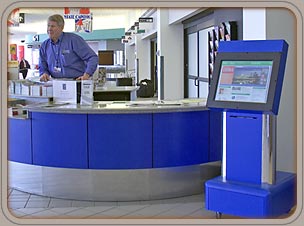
(130, 59)
(170, 44)
(287, 123)
(254, 24)
(142, 49)
(177, 15)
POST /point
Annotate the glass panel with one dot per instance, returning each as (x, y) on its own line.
(203, 52)
(192, 54)
(192, 89)
(203, 89)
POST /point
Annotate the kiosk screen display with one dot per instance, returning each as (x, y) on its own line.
(249, 81)
(244, 81)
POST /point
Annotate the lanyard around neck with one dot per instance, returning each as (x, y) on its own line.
(57, 56)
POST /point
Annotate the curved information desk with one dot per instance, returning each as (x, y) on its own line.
(115, 150)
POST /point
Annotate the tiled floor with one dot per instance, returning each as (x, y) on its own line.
(24, 205)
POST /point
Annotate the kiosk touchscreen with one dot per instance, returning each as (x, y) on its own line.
(247, 81)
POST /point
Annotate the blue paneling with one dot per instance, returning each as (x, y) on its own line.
(120, 141)
(113, 141)
(252, 200)
(244, 147)
(19, 140)
(280, 78)
(253, 46)
(224, 201)
(216, 136)
(60, 140)
(180, 138)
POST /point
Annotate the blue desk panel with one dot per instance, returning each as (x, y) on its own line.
(116, 141)
(60, 140)
(180, 138)
(120, 141)
(216, 135)
(20, 140)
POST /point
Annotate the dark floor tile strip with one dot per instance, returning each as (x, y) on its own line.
(27, 201)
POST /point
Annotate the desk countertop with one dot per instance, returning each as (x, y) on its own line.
(116, 89)
(124, 107)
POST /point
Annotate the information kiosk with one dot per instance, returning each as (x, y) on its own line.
(246, 85)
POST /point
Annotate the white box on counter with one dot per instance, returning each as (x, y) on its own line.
(36, 90)
(65, 91)
(18, 88)
(49, 91)
(25, 90)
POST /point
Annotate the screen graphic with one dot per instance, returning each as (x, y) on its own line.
(244, 81)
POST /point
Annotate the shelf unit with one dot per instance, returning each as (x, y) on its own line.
(226, 31)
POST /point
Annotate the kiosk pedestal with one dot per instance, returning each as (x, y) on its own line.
(246, 86)
(250, 186)
(251, 200)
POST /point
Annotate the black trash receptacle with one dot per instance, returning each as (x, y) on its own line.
(146, 88)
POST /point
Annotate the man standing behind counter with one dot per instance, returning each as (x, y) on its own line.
(64, 54)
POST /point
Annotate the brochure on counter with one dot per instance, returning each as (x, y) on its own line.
(156, 103)
(166, 102)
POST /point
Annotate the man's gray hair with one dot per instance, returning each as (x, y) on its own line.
(58, 19)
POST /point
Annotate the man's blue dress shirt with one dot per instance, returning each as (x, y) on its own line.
(69, 57)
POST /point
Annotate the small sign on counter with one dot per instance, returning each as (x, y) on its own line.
(65, 91)
(86, 92)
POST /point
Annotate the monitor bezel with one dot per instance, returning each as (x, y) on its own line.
(245, 106)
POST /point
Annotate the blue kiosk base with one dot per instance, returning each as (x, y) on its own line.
(252, 200)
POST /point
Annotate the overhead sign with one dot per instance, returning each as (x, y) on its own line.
(82, 16)
(13, 20)
(36, 38)
(71, 13)
(21, 18)
(145, 20)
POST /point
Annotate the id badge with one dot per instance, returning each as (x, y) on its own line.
(57, 69)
